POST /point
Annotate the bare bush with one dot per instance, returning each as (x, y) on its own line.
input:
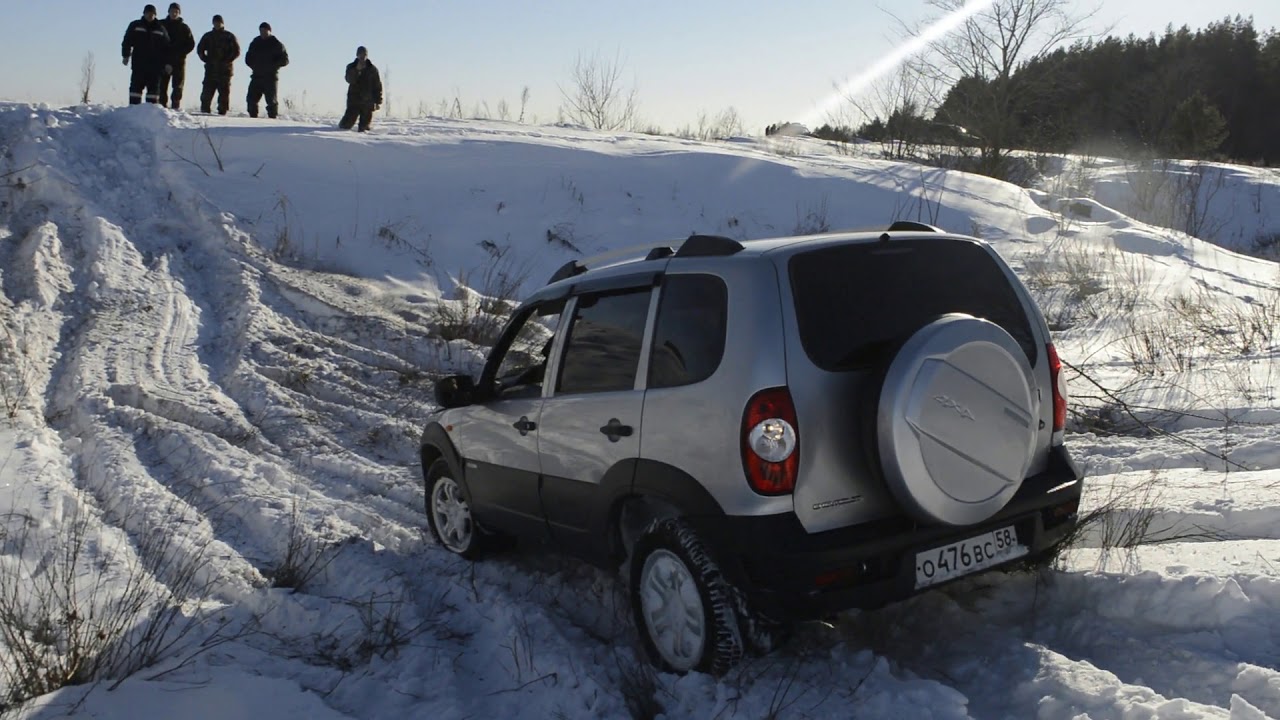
(484, 302)
(400, 234)
(921, 201)
(726, 124)
(812, 219)
(305, 557)
(382, 632)
(1155, 347)
(1069, 282)
(192, 157)
(597, 96)
(74, 609)
(1175, 196)
(639, 684)
(1266, 244)
(87, 71)
(16, 371)
(1126, 517)
(524, 103)
(894, 101)
(1159, 344)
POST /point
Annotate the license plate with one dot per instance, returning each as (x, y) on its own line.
(967, 556)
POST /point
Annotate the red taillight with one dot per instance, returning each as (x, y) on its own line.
(1059, 384)
(771, 442)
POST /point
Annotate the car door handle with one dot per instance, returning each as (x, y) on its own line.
(525, 425)
(615, 429)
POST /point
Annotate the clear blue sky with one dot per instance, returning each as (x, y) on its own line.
(772, 61)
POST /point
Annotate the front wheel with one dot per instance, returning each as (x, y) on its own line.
(681, 602)
(449, 515)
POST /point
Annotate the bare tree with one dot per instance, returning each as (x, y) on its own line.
(87, 68)
(524, 102)
(597, 96)
(977, 60)
(894, 100)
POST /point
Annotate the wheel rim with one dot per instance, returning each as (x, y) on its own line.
(673, 610)
(451, 515)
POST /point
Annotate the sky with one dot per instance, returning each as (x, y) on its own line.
(769, 61)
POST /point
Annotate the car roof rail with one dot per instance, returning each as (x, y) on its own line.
(694, 246)
(656, 251)
(912, 225)
(708, 246)
(567, 270)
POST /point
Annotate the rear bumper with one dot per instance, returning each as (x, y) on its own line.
(788, 573)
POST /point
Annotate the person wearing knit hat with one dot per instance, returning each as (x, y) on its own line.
(265, 57)
(146, 43)
(181, 43)
(218, 50)
(364, 92)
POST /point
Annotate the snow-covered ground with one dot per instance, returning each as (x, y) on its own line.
(220, 337)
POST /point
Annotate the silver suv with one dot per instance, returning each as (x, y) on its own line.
(765, 431)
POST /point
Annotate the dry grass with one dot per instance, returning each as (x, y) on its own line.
(305, 557)
(75, 609)
(485, 300)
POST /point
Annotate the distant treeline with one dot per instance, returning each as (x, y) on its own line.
(1211, 93)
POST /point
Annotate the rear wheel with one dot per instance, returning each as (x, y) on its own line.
(683, 606)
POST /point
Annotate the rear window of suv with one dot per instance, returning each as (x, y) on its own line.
(857, 303)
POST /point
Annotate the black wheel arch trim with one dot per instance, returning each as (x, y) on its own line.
(436, 444)
(638, 477)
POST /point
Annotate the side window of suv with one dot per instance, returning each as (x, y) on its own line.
(688, 341)
(602, 351)
(524, 363)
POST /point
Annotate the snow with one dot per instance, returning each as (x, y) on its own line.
(223, 333)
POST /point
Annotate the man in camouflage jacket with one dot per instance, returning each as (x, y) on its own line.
(364, 91)
(218, 50)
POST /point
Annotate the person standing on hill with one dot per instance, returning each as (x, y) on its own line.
(364, 91)
(219, 50)
(265, 57)
(147, 43)
(181, 43)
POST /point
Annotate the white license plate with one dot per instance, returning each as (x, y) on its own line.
(967, 556)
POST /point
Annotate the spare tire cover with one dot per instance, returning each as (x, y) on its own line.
(957, 420)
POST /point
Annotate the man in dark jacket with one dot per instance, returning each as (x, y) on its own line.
(265, 57)
(181, 43)
(364, 91)
(147, 43)
(219, 50)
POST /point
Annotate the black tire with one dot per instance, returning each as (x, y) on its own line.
(672, 542)
(470, 541)
(761, 634)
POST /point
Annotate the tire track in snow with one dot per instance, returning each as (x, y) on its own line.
(1110, 646)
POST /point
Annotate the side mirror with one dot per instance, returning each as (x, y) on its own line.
(455, 391)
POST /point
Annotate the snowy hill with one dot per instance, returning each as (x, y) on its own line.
(220, 342)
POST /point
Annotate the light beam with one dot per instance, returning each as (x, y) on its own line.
(888, 63)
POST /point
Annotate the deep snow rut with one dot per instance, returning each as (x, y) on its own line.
(156, 378)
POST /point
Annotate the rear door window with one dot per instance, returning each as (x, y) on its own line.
(856, 304)
(688, 340)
